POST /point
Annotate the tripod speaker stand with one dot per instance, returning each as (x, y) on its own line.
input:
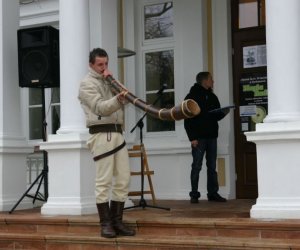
(43, 176)
(140, 124)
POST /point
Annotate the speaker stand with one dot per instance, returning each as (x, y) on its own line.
(43, 176)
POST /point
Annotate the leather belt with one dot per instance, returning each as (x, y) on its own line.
(99, 157)
(105, 128)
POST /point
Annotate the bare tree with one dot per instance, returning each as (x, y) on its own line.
(158, 21)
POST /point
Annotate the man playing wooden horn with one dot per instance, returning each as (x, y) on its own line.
(104, 118)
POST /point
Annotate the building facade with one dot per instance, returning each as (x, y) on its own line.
(173, 41)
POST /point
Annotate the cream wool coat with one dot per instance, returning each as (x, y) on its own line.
(102, 107)
(98, 102)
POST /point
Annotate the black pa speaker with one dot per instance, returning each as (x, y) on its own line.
(38, 55)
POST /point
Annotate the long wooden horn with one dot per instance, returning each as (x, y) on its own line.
(187, 109)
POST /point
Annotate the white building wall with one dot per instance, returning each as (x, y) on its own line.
(39, 13)
(222, 66)
(13, 145)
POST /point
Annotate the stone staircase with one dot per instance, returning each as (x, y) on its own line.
(155, 230)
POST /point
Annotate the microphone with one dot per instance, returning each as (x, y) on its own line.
(163, 87)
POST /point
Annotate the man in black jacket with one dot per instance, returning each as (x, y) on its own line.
(202, 131)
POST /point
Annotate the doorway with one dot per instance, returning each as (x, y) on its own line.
(250, 88)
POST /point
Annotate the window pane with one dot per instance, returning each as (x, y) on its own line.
(158, 20)
(165, 101)
(35, 111)
(35, 123)
(55, 95)
(248, 13)
(55, 118)
(159, 70)
(35, 96)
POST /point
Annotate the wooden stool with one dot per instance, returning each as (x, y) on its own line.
(139, 151)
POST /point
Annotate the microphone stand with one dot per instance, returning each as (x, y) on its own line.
(142, 203)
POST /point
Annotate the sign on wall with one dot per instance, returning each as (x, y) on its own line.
(253, 99)
(255, 56)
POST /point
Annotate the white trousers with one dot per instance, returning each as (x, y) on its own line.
(113, 171)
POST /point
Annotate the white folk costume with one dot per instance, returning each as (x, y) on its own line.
(104, 118)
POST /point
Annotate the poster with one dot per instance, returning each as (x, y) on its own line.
(253, 100)
(255, 56)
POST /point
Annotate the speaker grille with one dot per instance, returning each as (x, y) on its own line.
(35, 66)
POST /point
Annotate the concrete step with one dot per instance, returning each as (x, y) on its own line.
(222, 227)
(139, 242)
(198, 226)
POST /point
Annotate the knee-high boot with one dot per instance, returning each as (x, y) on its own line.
(116, 209)
(107, 229)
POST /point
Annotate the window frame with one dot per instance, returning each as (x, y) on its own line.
(152, 46)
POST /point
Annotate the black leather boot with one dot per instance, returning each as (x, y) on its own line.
(107, 229)
(116, 210)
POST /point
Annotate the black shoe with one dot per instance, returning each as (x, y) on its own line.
(216, 197)
(194, 200)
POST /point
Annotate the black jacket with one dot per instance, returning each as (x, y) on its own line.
(205, 125)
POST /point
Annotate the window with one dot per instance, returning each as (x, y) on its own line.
(251, 13)
(35, 114)
(34, 117)
(55, 110)
(158, 62)
(158, 20)
(52, 112)
(159, 71)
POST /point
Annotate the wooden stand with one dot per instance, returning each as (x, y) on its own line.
(139, 151)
